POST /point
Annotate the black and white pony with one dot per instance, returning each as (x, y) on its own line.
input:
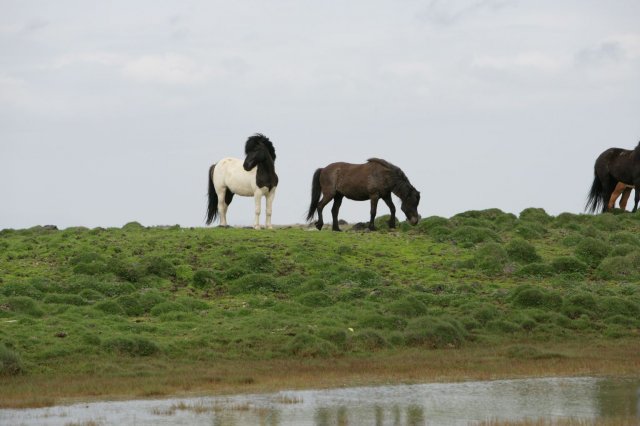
(255, 177)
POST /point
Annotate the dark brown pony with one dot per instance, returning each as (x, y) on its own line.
(613, 166)
(376, 179)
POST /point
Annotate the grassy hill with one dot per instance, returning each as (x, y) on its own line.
(81, 306)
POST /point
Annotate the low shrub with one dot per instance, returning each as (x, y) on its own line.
(613, 305)
(20, 289)
(254, 283)
(132, 346)
(165, 307)
(490, 258)
(368, 340)
(468, 236)
(258, 262)
(382, 322)
(65, 299)
(309, 346)
(620, 267)
(623, 250)
(579, 304)
(623, 237)
(315, 299)
(110, 307)
(160, 267)
(568, 264)
(408, 306)
(336, 336)
(431, 222)
(23, 305)
(535, 270)
(521, 251)
(530, 230)
(435, 332)
(535, 215)
(528, 296)
(10, 362)
(591, 251)
(206, 278)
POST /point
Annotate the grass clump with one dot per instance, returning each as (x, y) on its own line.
(10, 362)
(23, 305)
(254, 283)
(468, 236)
(490, 258)
(435, 332)
(620, 267)
(521, 251)
(135, 346)
(307, 345)
(528, 296)
(591, 251)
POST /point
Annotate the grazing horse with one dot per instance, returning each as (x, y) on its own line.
(376, 179)
(611, 167)
(255, 177)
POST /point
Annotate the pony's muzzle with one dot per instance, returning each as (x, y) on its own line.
(415, 219)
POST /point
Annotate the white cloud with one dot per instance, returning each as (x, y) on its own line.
(100, 58)
(536, 61)
(170, 68)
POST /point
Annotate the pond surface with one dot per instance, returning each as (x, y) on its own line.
(433, 404)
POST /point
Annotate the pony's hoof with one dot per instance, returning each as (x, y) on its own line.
(319, 226)
(269, 227)
(257, 228)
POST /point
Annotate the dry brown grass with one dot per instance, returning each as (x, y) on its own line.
(619, 358)
(616, 421)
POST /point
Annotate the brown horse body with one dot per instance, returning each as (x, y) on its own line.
(613, 166)
(374, 180)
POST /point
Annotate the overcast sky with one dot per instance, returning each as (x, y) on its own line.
(113, 112)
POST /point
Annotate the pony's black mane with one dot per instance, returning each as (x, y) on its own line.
(254, 141)
(403, 187)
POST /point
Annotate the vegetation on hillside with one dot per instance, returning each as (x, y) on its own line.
(72, 298)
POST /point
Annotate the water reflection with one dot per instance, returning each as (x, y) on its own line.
(437, 403)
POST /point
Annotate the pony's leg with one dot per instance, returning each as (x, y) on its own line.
(608, 186)
(222, 206)
(323, 202)
(620, 187)
(337, 201)
(257, 197)
(270, 196)
(636, 198)
(374, 209)
(625, 197)
(392, 209)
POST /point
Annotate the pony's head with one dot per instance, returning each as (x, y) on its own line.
(258, 150)
(410, 199)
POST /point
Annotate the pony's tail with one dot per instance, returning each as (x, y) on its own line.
(315, 195)
(212, 208)
(595, 199)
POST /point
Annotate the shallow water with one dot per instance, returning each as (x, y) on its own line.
(433, 404)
